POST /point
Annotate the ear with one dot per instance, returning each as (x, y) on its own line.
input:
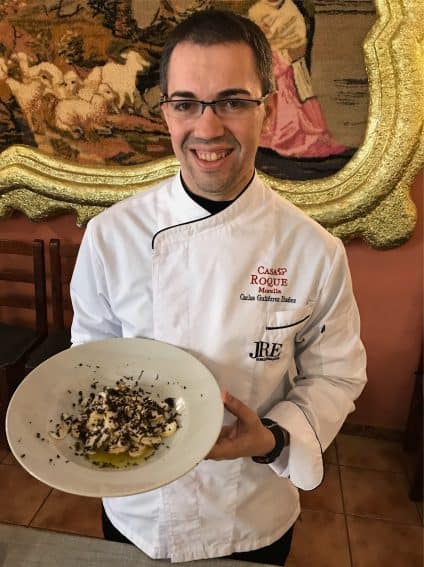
(270, 105)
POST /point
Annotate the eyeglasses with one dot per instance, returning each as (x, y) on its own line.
(187, 109)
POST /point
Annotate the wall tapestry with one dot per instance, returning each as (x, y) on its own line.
(81, 126)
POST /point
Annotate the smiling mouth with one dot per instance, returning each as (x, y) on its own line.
(212, 156)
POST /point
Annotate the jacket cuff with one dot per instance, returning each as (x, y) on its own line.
(302, 461)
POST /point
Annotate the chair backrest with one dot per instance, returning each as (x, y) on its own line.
(62, 262)
(15, 295)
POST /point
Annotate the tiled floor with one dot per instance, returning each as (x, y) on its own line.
(359, 517)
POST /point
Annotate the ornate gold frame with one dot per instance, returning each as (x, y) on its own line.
(368, 198)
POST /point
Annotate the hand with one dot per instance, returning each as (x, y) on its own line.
(246, 437)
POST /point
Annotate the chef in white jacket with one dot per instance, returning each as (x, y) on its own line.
(215, 262)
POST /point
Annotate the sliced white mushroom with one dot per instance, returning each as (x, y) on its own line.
(116, 449)
(137, 452)
(60, 432)
(75, 430)
(149, 441)
(170, 429)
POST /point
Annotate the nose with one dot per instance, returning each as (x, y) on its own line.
(208, 125)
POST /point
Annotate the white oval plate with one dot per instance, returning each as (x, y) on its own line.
(52, 387)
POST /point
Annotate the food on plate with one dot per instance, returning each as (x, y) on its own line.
(118, 425)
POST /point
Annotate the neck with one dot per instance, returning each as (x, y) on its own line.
(213, 206)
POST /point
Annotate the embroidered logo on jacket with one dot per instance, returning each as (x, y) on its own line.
(266, 351)
(269, 280)
(268, 284)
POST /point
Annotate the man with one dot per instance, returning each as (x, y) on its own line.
(215, 262)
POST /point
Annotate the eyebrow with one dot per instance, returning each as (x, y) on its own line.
(221, 94)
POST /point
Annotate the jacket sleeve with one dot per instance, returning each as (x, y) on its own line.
(331, 373)
(93, 317)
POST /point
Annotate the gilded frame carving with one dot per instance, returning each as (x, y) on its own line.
(368, 198)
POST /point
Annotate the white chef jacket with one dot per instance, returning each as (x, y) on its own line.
(262, 295)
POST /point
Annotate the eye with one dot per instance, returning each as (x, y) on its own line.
(232, 104)
(184, 105)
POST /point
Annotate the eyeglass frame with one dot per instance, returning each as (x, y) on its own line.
(212, 103)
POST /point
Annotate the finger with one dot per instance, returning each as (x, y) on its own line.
(238, 408)
(225, 432)
(225, 444)
(233, 433)
(224, 449)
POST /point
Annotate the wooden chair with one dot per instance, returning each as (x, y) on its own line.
(62, 262)
(22, 287)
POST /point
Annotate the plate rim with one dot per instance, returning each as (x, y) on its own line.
(118, 490)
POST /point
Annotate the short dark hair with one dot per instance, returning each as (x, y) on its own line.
(212, 27)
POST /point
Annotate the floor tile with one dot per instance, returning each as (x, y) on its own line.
(70, 513)
(367, 453)
(385, 527)
(378, 543)
(330, 455)
(320, 540)
(378, 494)
(21, 495)
(328, 496)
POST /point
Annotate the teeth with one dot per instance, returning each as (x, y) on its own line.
(212, 156)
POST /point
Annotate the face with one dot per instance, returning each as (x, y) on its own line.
(217, 155)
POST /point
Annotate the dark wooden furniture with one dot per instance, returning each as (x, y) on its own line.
(62, 261)
(413, 439)
(22, 287)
